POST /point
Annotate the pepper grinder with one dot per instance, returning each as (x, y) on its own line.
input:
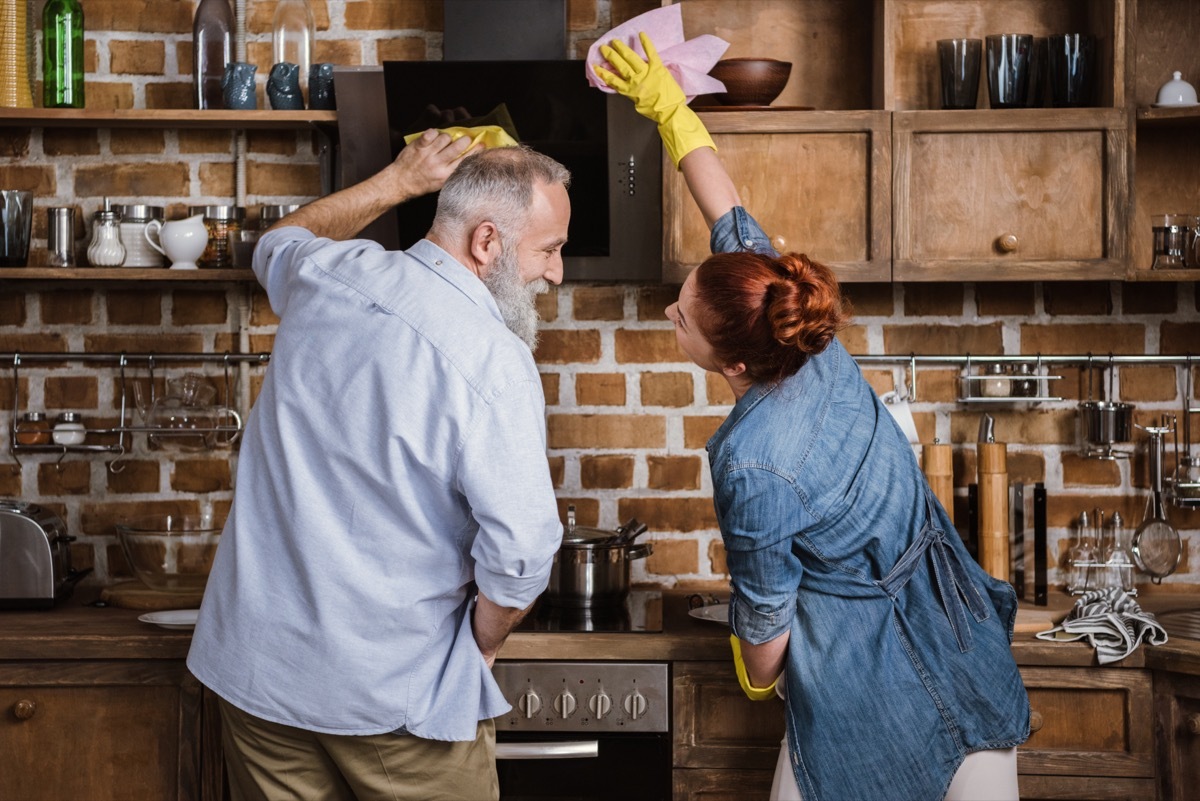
(937, 461)
(992, 458)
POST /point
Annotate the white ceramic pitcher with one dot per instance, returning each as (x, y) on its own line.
(181, 241)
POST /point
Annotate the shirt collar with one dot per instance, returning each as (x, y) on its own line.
(456, 274)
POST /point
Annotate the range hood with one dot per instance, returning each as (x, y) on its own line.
(505, 30)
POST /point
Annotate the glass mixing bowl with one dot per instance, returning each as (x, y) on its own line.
(170, 553)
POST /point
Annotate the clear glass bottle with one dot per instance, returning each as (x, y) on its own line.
(106, 249)
(68, 429)
(212, 49)
(1118, 564)
(62, 54)
(1082, 558)
(292, 34)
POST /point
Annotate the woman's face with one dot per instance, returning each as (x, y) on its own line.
(691, 341)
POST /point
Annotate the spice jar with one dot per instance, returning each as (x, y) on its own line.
(68, 429)
(32, 429)
(106, 249)
(1025, 385)
(134, 218)
(220, 222)
(269, 215)
(996, 384)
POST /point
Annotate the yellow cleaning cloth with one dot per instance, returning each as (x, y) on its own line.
(487, 135)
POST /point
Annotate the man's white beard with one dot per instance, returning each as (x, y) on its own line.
(515, 298)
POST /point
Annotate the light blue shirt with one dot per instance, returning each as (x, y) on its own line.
(395, 453)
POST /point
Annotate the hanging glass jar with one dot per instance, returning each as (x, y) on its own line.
(292, 34)
(212, 49)
(62, 54)
(15, 36)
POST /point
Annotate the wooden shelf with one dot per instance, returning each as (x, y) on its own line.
(1163, 275)
(1188, 116)
(92, 274)
(164, 118)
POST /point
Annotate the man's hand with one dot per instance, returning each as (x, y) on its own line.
(424, 165)
(491, 624)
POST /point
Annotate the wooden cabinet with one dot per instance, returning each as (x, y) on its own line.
(1177, 719)
(1092, 734)
(984, 195)
(104, 730)
(838, 171)
(724, 745)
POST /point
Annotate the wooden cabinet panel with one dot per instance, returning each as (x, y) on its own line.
(1177, 712)
(124, 731)
(1088, 723)
(818, 183)
(721, 785)
(716, 726)
(977, 198)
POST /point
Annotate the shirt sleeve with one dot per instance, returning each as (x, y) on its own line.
(281, 254)
(764, 570)
(505, 477)
(737, 231)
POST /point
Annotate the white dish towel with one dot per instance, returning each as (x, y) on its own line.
(1111, 621)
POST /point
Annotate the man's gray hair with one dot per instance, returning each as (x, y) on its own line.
(496, 185)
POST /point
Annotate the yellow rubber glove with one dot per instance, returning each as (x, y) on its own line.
(488, 135)
(753, 693)
(655, 95)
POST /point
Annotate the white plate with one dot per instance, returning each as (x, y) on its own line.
(172, 618)
(717, 613)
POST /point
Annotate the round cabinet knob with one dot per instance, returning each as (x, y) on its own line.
(635, 704)
(1007, 243)
(24, 709)
(600, 705)
(529, 703)
(564, 704)
(1035, 721)
(1192, 723)
(779, 243)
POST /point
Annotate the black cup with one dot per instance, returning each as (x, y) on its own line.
(1008, 58)
(1037, 74)
(1072, 69)
(959, 59)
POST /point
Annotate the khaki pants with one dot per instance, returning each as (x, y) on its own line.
(271, 762)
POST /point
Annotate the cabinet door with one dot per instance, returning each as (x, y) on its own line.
(119, 731)
(1177, 707)
(721, 785)
(818, 182)
(1092, 734)
(1010, 195)
(717, 726)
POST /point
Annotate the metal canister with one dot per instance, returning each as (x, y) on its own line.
(60, 236)
(220, 222)
(269, 215)
(134, 218)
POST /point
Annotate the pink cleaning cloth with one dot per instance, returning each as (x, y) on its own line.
(688, 61)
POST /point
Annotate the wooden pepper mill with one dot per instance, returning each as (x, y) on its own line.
(993, 508)
(937, 461)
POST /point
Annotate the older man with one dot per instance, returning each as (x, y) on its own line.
(394, 515)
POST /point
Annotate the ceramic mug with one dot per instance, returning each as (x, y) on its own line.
(283, 87)
(181, 241)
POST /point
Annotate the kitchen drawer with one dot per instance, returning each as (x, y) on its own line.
(720, 785)
(1177, 709)
(817, 182)
(717, 726)
(1092, 734)
(1035, 202)
(99, 730)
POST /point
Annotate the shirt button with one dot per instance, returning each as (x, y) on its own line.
(438, 262)
(747, 242)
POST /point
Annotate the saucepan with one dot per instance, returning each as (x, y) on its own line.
(592, 566)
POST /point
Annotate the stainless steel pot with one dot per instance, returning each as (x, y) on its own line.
(1107, 423)
(592, 566)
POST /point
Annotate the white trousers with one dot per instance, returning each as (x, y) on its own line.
(983, 776)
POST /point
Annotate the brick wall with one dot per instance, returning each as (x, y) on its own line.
(627, 415)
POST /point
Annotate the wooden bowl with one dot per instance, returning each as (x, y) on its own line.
(750, 81)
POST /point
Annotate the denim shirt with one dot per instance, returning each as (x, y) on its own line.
(899, 662)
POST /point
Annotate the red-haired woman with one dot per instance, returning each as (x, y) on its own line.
(852, 595)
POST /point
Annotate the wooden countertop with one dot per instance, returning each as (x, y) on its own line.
(75, 630)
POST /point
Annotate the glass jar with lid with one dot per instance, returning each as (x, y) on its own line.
(68, 429)
(134, 218)
(106, 249)
(33, 429)
(220, 222)
(269, 215)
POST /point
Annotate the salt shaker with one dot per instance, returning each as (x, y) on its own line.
(997, 384)
(106, 249)
(68, 429)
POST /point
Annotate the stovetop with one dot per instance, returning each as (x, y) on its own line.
(641, 613)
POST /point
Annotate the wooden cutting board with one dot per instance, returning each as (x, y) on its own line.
(136, 595)
(1033, 620)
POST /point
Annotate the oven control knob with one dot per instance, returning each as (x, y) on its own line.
(600, 704)
(635, 704)
(564, 704)
(529, 703)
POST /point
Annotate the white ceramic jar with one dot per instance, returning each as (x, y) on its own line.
(134, 218)
(68, 429)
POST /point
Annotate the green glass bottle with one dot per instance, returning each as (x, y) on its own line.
(62, 54)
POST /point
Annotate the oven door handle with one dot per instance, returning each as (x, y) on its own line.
(575, 749)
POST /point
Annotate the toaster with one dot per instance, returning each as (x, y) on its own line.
(35, 557)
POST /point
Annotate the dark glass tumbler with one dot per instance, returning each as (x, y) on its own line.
(1072, 69)
(1008, 60)
(1037, 74)
(959, 60)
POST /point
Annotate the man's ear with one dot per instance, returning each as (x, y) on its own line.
(485, 245)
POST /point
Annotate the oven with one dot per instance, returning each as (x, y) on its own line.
(586, 730)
